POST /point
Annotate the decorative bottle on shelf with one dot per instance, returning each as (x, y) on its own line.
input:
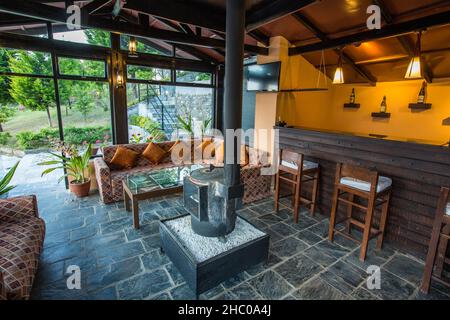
(383, 105)
(422, 94)
(353, 97)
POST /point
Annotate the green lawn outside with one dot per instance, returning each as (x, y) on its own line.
(35, 120)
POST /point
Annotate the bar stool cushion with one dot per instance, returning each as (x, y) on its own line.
(307, 165)
(447, 211)
(383, 183)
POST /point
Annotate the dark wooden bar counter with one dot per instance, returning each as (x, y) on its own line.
(418, 170)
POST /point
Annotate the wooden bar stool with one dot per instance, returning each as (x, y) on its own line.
(438, 243)
(295, 170)
(369, 186)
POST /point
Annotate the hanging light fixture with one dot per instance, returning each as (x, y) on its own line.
(119, 76)
(339, 74)
(132, 47)
(414, 70)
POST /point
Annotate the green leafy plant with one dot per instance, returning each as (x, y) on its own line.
(4, 182)
(136, 138)
(149, 125)
(4, 138)
(205, 125)
(186, 124)
(42, 139)
(71, 160)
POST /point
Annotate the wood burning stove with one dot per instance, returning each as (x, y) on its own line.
(211, 203)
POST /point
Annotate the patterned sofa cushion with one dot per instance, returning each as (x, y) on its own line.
(22, 235)
(2, 288)
(110, 186)
(108, 152)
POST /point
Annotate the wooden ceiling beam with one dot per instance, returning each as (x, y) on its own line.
(95, 5)
(202, 16)
(52, 14)
(192, 51)
(387, 31)
(323, 37)
(274, 10)
(260, 37)
(403, 39)
(187, 29)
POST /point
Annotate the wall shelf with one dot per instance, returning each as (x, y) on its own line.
(304, 90)
(420, 106)
(352, 105)
(384, 115)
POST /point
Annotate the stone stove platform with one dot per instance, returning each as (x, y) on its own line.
(206, 262)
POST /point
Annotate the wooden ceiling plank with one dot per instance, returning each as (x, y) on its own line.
(386, 32)
(323, 37)
(403, 39)
(52, 14)
(187, 29)
(95, 5)
(273, 11)
(260, 37)
(192, 51)
(182, 12)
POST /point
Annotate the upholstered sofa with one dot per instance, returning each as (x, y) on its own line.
(21, 240)
(110, 179)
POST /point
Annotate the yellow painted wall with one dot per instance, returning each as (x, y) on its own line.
(324, 110)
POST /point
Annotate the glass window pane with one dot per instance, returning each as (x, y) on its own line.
(28, 117)
(86, 112)
(182, 54)
(148, 73)
(155, 108)
(80, 67)
(35, 30)
(90, 36)
(194, 77)
(26, 62)
(147, 46)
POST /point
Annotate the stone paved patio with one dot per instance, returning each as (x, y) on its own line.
(119, 262)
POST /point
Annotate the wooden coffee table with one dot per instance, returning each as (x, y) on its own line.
(161, 182)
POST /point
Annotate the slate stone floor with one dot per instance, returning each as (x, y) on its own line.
(119, 262)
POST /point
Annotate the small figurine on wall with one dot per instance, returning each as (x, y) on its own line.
(353, 97)
(383, 106)
(280, 123)
(422, 94)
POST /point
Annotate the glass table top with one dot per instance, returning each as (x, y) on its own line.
(166, 178)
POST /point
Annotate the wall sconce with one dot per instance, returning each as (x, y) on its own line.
(119, 76)
(132, 47)
(414, 70)
(339, 74)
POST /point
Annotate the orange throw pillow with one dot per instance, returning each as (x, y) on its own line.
(154, 153)
(206, 149)
(220, 154)
(124, 158)
(174, 147)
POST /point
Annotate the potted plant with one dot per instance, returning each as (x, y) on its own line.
(99, 144)
(186, 124)
(5, 188)
(76, 165)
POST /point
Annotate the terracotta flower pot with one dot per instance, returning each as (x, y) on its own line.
(80, 189)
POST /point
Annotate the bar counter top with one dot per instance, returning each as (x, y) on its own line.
(418, 169)
(374, 136)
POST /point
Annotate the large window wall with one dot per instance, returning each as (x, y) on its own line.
(31, 117)
(164, 104)
(77, 100)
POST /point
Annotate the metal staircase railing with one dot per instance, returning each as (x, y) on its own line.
(168, 121)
